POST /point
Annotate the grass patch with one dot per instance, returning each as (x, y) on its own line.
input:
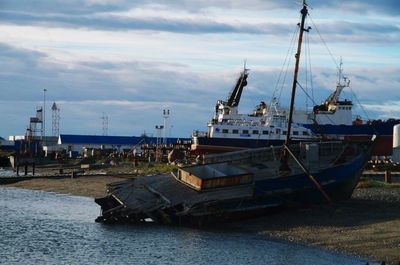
(371, 183)
(156, 168)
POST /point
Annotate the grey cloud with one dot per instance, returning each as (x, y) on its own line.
(342, 31)
(108, 22)
(82, 7)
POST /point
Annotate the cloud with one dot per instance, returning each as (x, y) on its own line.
(391, 7)
(334, 31)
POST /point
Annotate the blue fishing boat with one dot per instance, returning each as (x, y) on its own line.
(244, 183)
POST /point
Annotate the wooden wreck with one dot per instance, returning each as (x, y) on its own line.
(249, 184)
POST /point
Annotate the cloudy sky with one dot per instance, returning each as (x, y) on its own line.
(132, 59)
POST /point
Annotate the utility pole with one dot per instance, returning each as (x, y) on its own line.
(159, 128)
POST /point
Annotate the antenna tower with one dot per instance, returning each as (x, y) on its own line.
(104, 119)
(55, 124)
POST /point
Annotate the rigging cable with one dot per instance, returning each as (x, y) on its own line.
(287, 68)
(312, 100)
(363, 109)
(323, 41)
(289, 51)
(307, 56)
(309, 62)
(333, 59)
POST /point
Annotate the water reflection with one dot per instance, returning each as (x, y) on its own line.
(48, 228)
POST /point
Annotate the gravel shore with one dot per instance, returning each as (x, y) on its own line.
(367, 225)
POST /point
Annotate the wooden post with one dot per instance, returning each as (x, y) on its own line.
(26, 168)
(33, 169)
(388, 176)
(17, 169)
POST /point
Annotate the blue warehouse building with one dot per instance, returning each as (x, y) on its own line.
(72, 142)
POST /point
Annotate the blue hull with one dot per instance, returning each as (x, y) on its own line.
(292, 191)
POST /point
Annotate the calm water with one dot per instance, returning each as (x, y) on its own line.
(47, 228)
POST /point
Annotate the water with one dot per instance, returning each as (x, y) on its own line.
(47, 228)
(6, 172)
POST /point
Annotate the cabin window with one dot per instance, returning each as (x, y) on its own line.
(225, 131)
(245, 131)
(265, 132)
(305, 133)
(234, 131)
(295, 133)
(284, 132)
(278, 131)
(255, 131)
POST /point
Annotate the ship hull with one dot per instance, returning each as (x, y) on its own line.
(353, 133)
(167, 200)
(361, 133)
(207, 145)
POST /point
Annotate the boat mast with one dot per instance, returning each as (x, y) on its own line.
(284, 159)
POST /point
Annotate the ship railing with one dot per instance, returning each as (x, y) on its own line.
(330, 147)
(243, 123)
(271, 153)
(199, 134)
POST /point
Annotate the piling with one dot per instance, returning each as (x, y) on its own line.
(388, 176)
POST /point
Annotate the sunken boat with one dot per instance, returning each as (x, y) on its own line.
(238, 185)
(242, 184)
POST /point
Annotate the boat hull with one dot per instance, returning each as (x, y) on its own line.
(166, 200)
(353, 133)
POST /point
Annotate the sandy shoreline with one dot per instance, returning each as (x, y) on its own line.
(91, 186)
(367, 225)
